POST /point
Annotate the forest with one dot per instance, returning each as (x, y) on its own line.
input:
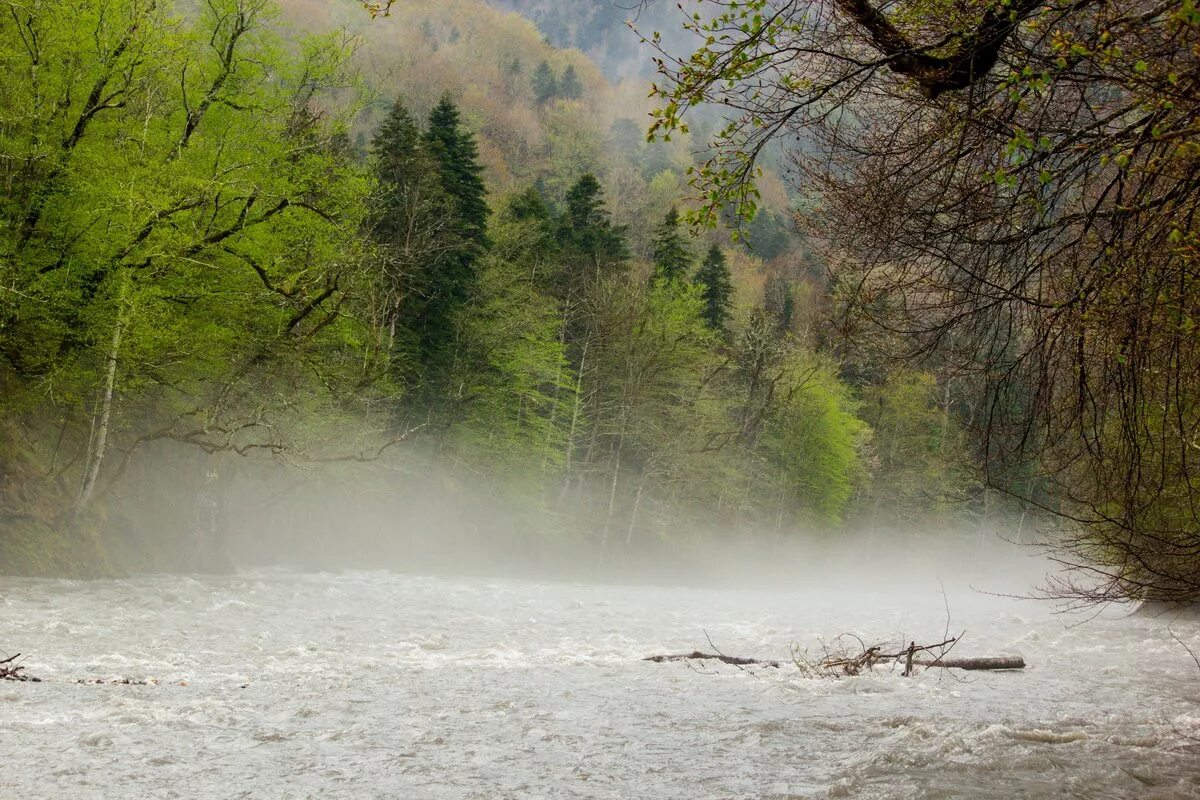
(431, 251)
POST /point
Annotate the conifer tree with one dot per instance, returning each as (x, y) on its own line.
(400, 161)
(569, 85)
(545, 85)
(718, 288)
(529, 208)
(458, 157)
(672, 258)
(452, 278)
(591, 244)
(411, 209)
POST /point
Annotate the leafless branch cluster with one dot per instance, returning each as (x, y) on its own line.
(11, 670)
(840, 659)
(1010, 191)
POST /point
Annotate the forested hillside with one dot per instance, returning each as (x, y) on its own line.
(428, 263)
(607, 30)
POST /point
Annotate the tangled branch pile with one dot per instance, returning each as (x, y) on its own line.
(10, 670)
(837, 660)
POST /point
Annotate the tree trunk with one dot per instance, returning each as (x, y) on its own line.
(998, 662)
(98, 445)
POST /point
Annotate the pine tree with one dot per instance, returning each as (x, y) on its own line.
(673, 259)
(530, 210)
(718, 288)
(545, 85)
(569, 85)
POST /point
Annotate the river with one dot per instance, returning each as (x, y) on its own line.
(280, 684)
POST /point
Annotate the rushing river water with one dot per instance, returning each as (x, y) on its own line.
(366, 685)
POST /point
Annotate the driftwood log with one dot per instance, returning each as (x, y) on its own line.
(724, 659)
(997, 662)
(841, 663)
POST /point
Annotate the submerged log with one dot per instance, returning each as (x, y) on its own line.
(996, 662)
(736, 661)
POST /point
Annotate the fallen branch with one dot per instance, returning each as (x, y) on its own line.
(724, 659)
(995, 663)
(837, 660)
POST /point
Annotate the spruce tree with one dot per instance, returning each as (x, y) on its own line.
(673, 259)
(718, 288)
(545, 85)
(450, 272)
(395, 143)
(454, 148)
(408, 224)
(529, 208)
(569, 85)
(591, 244)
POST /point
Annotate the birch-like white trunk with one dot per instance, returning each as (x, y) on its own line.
(102, 419)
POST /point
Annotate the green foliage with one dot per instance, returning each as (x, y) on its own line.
(779, 302)
(458, 157)
(513, 369)
(194, 259)
(919, 450)
(431, 223)
(813, 437)
(181, 261)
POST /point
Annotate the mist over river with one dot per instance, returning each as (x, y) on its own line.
(378, 685)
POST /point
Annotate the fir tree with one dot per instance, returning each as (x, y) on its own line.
(672, 258)
(569, 85)
(397, 138)
(718, 288)
(545, 85)
(529, 208)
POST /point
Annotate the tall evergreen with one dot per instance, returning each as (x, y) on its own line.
(454, 148)
(718, 288)
(397, 138)
(450, 272)
(409, 207)
(540, 244)
(673, 259)
(400, 161)
(591, 244)
(569, 85)
(545, 85)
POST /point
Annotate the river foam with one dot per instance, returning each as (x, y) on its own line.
(378, 685)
